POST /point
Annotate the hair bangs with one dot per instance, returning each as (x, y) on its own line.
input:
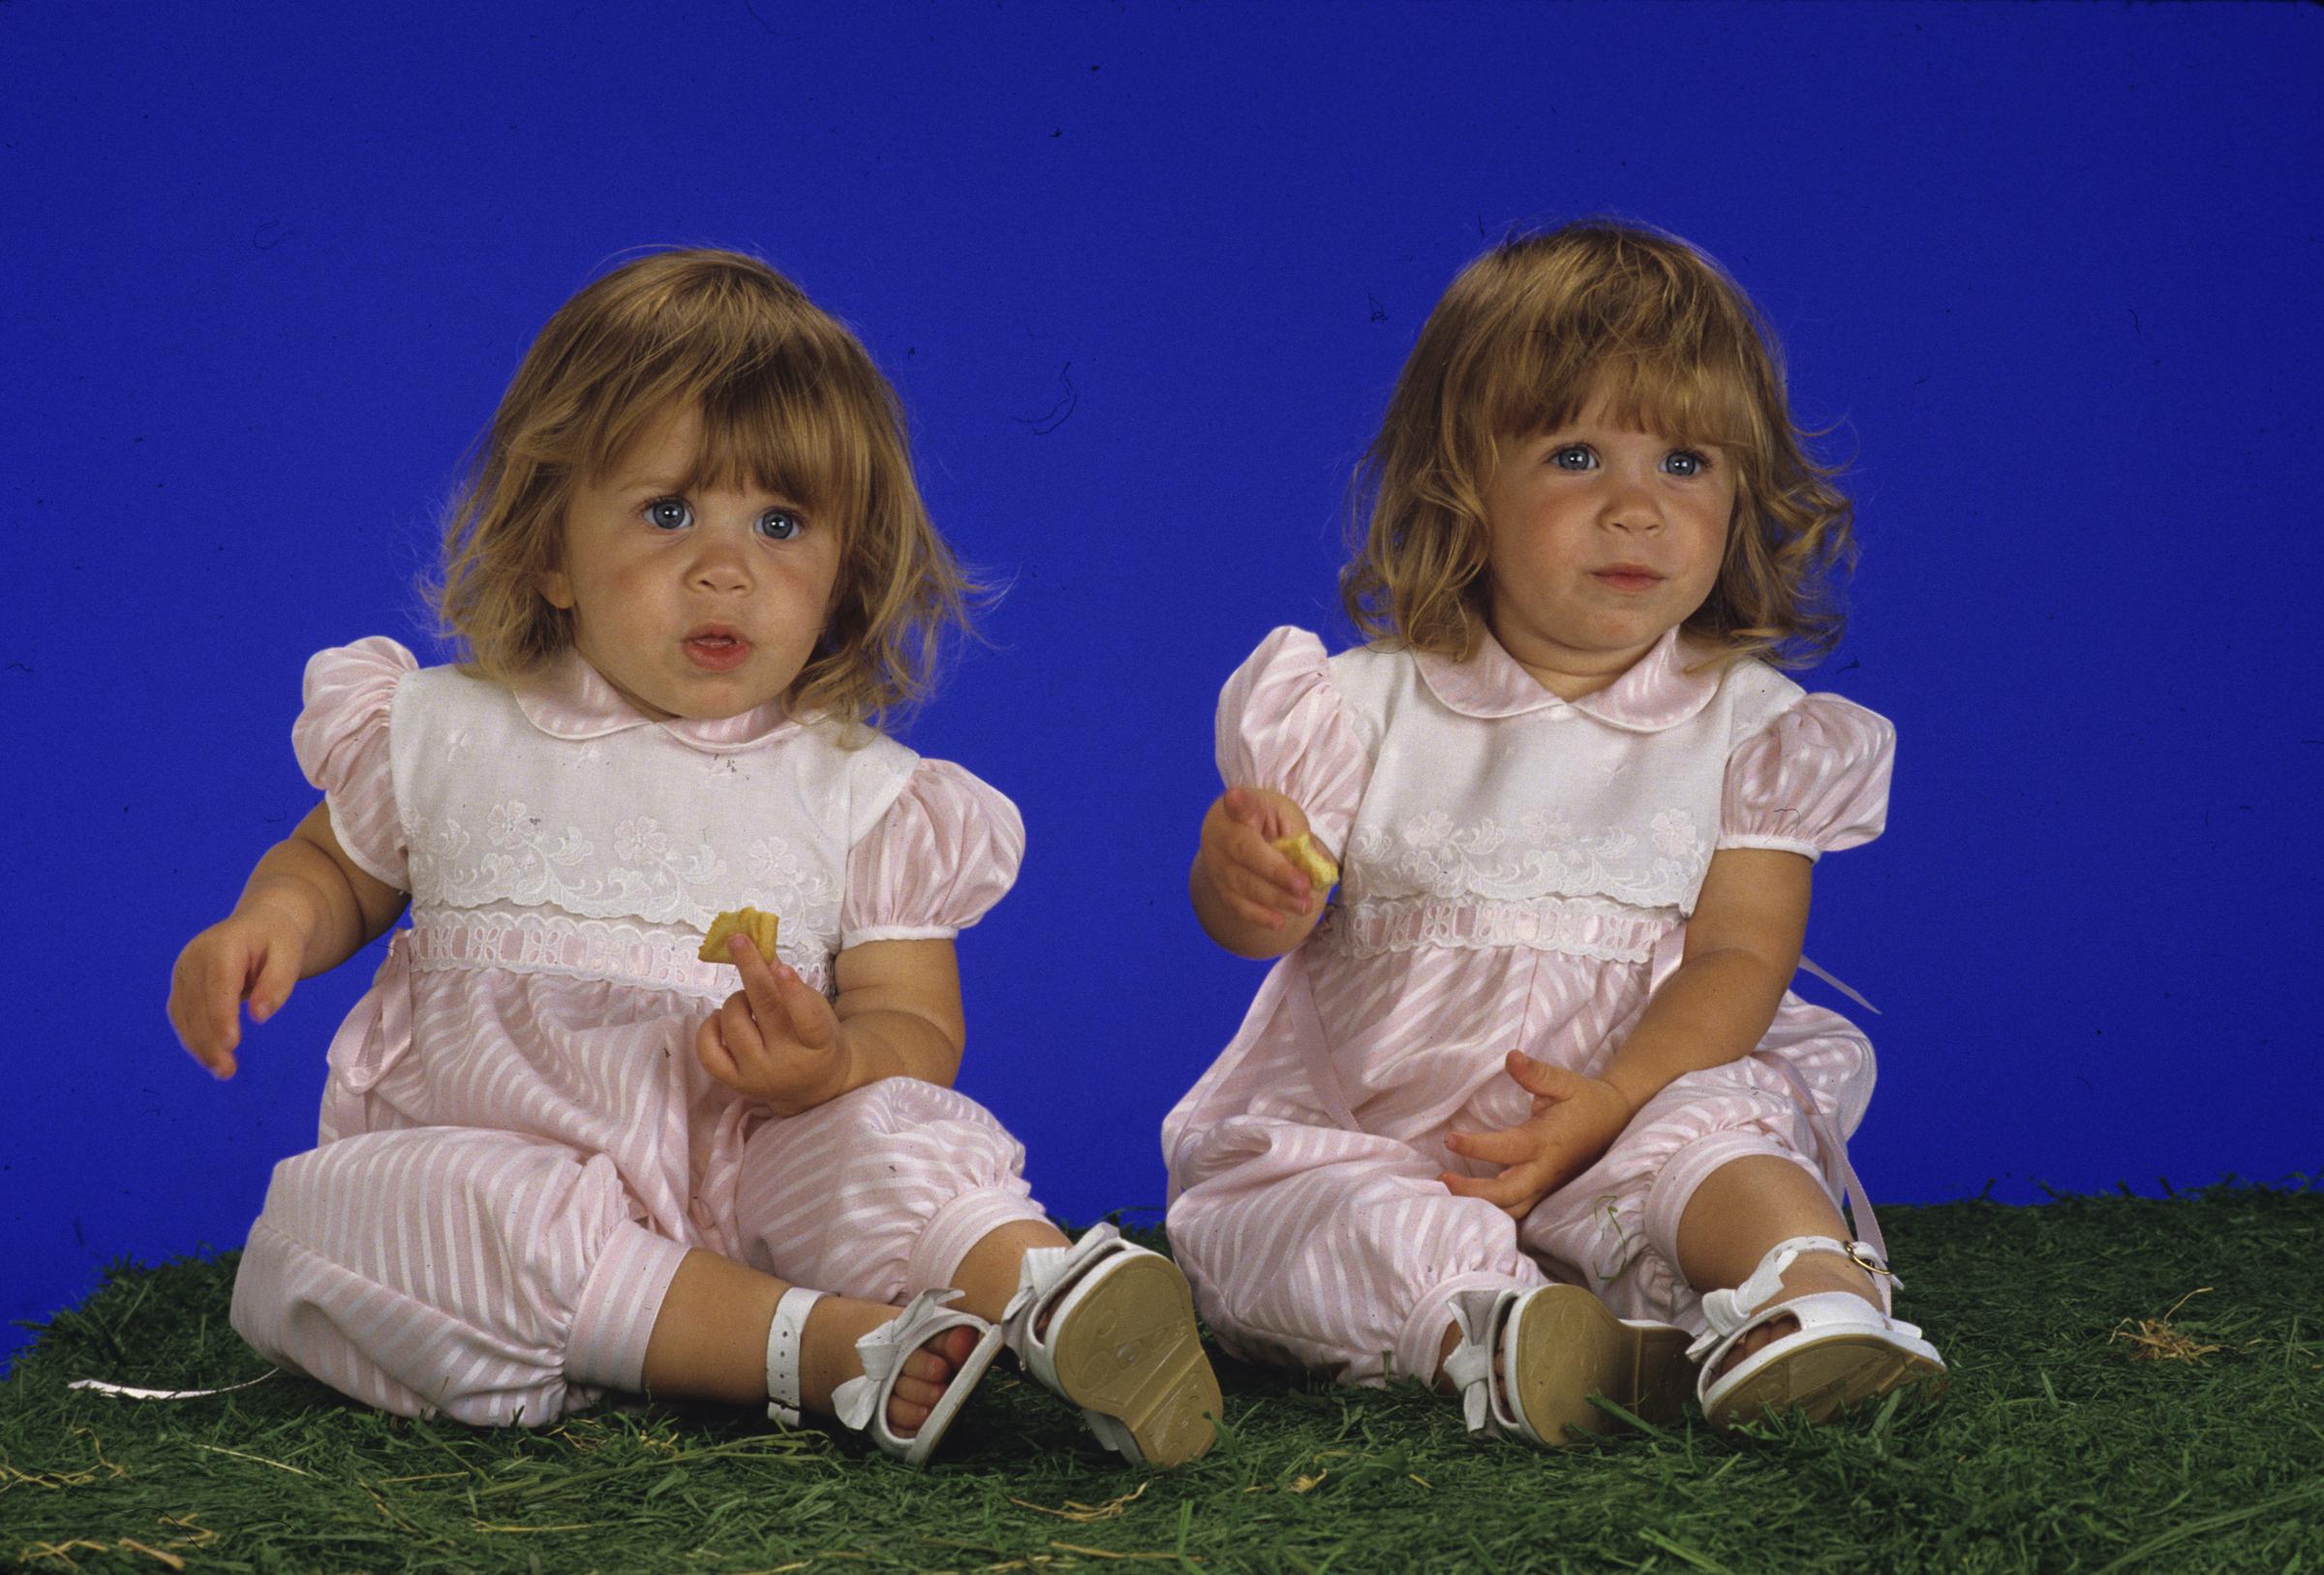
(800, 438)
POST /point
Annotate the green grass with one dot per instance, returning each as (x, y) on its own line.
(2058, 1449)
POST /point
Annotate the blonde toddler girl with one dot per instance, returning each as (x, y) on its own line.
(559, 1153)
(1528, 1110)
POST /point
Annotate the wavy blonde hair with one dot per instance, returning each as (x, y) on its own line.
(1522, 339)
(789, 401)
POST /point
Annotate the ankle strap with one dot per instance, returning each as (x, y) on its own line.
(784, 1337)
(1728, 1310)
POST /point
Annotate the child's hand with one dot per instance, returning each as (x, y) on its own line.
(251, 955)
(775, 1040)
(1575, 1120)
(1258, 884)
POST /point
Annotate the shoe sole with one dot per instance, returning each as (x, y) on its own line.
(1569, 1347)
(1129, 1349)
(1825, 1378)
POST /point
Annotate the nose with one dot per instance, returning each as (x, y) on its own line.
(718, 565)
(1630, 504)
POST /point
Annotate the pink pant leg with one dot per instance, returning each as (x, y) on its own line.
(1332, 1250)
(493, 1277)
(1614, 1229)
(878, 1193)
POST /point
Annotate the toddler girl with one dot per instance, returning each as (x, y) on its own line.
(1530, 1111)
(690, 566)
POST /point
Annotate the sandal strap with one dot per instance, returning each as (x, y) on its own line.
(861, 1402)
(1484, 1316)
(784, 1338)
(1044, 1271)
(1730, 1313)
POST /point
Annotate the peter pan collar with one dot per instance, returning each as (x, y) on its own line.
(1655, 694)
(570, 699)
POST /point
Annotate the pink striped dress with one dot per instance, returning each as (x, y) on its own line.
(1517, 871)
(517, 1143)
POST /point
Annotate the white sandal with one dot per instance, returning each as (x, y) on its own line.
(1845, 1350)
(862, 1404)
(1120, 1343)
(1558, 1345)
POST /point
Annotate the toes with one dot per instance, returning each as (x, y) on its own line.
(1765, 1333)
(926, 1374)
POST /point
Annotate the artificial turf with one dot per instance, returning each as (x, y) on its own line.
(2137, 1384)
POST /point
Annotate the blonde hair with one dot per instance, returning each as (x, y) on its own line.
(1524, 336)
(788, 401)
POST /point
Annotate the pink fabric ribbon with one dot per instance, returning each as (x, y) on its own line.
(372, 1041)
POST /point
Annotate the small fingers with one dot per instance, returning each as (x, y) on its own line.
(710, 1049)
(1507, 1147)
(737, 1028)
(277, 977)
(1265, 875)
(1544, 1079)
(1515, 1192)
(814, 1023)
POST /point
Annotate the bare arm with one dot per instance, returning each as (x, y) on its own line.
(1247, 896)
(306, 908)
(1742, 948)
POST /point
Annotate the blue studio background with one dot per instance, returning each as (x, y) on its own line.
(1144, 274)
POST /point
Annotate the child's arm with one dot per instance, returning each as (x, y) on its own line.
(1742, 947)
(777, 1040)
(1249, 897)
(306, 908)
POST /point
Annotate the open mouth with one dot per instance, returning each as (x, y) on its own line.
(717, 650)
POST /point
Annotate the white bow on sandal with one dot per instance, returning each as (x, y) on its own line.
(1558, 1345)
(862, 1404)
(1844, 1352)
(1110, 1326)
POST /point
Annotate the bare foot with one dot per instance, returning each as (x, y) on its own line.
(828, 1359)
(1810, 1273)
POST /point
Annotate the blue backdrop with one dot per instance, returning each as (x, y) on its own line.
(1144, 274)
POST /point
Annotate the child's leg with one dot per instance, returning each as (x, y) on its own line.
(1334, 1251)
(1739, 1213)
(492, 1276)
(710, 1343)
(880, 1193)
(902, 1186)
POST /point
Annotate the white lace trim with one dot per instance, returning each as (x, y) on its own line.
(519, 859)
(1533, 853)
(1580, 926)
(581, 949)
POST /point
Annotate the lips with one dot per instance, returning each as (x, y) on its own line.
(717, 648)
(1627, 577)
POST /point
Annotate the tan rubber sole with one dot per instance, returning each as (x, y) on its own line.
(1129, 1348)
(1569, 1347)
(1826, 1378)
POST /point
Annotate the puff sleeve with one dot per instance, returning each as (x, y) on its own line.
(1284, 725)
(947, 849)
(1814, 780)
(341, 739)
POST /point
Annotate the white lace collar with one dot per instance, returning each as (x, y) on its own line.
(570, 699)
(1656, 692)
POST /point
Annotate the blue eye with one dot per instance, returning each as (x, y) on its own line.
(780, 524)
(669, 514)
(1562, 457)
(1685, 462)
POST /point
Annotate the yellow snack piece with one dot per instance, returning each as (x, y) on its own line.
(1310, 860)
(760, 928)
